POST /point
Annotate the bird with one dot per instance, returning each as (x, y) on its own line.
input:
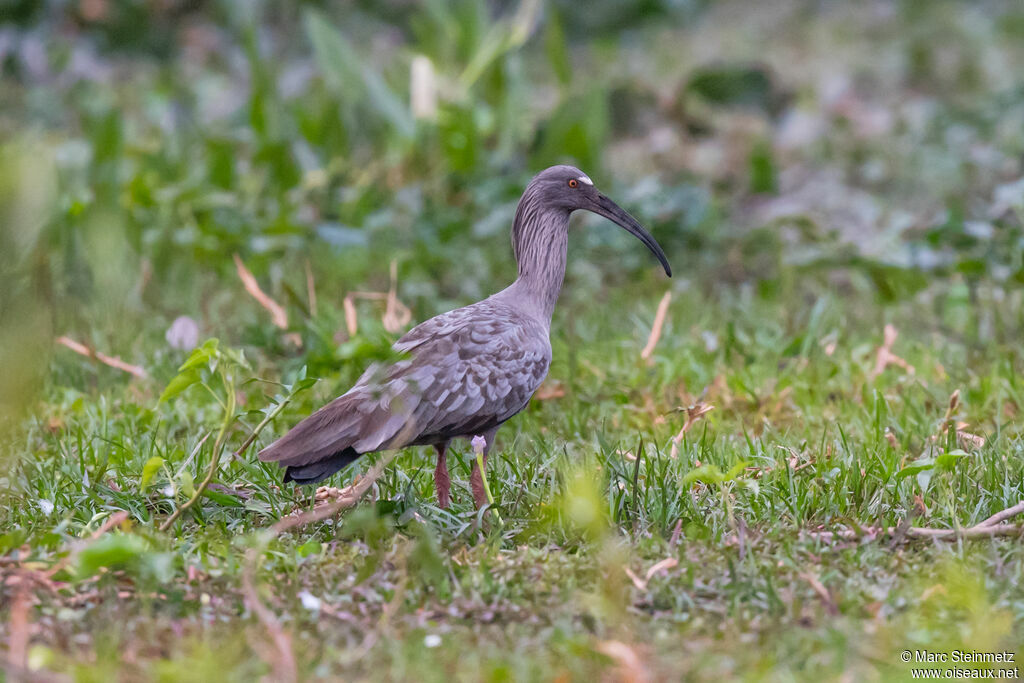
(466, 372)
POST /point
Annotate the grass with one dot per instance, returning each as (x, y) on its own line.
(587, 488)
(626, 547)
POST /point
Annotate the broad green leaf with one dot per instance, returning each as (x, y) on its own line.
(180, 383)
(948, 461)
(201, 355)
(303, 384)
(345, 73)
(222, 498)
(149, 470)
(113, 551)
(915, 467)
(706, 474)
(186, 483)
(236, 356)
(310, 547)
(736, 470)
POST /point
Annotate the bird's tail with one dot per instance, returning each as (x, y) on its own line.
(337, 434)
(321, 469)
(319, 445)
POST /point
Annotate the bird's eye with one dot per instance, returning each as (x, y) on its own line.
(573, 183)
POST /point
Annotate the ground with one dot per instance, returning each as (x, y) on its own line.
(742, 472)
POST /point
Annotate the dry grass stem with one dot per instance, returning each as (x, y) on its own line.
(819, 588)
(112, 361)
(989, 528)
(396, 314)
(277, 313)
(884, 357)
(693, 414)
(630, 666)
(351, 316)
(659, 323)
(282, 658)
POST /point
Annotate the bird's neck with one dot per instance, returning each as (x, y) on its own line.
(539, 239)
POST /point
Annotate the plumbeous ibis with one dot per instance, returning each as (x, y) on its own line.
(466, 371)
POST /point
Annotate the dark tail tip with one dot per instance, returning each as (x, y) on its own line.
(316, 472)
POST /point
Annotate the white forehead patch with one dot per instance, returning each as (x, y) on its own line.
(585, 180)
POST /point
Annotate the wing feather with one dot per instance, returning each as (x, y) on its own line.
(469, 370)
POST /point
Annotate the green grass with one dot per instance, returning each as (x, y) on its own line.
(116, 217)
(576, 510)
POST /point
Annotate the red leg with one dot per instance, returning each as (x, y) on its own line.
(442, 482)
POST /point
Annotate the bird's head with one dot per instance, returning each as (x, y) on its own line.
(568, 188)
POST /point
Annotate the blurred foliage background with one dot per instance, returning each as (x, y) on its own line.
(152, 140)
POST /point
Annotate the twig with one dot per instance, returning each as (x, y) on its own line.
(18, 629)
(970, 532)
(284, 662)
(884, 357)
(263, 423)
(659, 322)
(676, 533)
(229, 417)
(1003, 515)
(109, 523)
(277, 313)
(989, 528)
(629, 665)
(351, 316)
(693, 413)
(112, 361)
(819, 588)
(660, 566)
(218, 445)
(112, 521)
(396, 314)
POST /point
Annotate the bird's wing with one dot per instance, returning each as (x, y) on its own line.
(469, 369)
(478, 373)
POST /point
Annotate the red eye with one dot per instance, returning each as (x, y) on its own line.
(573, 183)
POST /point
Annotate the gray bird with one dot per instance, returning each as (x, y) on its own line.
(466, 371)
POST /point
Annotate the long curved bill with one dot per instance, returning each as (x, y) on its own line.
(613, 212)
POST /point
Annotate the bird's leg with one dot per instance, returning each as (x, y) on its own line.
(476, 479)
(442, 482)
